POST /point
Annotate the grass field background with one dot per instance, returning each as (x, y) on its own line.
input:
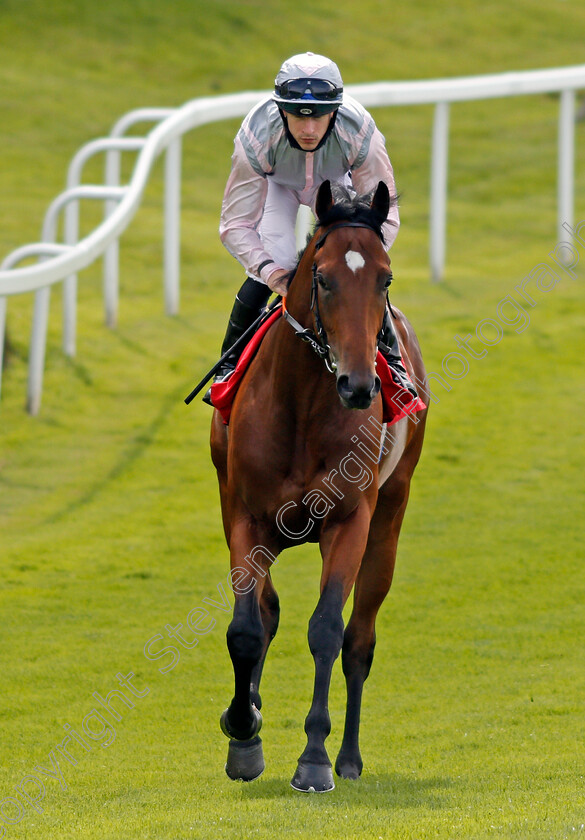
(109, 515)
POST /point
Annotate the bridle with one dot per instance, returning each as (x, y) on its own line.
(318, 340)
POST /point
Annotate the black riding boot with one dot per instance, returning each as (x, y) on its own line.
(388, 346)
(242, 316)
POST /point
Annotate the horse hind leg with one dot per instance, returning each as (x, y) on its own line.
(357, 657)
(270, 614)
(372, 585)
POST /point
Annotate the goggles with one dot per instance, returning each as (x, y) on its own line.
(311, 89)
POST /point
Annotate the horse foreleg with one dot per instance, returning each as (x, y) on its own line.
(245, 639)
(372, 585)
(242, 721)
(342, 547)
(247, 645)
(325, 640)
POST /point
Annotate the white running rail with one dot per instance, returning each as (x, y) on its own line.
(61, 262)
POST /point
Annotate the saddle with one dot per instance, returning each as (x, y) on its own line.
(397, 402)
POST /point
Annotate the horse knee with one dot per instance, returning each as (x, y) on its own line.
(271, 614)
(326, 636)
(244, 643)
(326, 627)
(245, 634)
(357, 653)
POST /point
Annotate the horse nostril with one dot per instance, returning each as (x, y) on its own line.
(343, 389)
(357, 393)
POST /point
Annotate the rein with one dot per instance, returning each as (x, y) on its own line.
(318, 341)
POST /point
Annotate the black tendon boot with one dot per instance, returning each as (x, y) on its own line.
(248, 304)
(388, 346)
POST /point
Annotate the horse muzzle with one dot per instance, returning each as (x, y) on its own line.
(357, 392)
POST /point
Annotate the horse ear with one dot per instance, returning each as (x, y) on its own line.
(381, 201)
(324, 201)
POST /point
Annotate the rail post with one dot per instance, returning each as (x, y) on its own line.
(566, 161)
(438, 200)
(172, 226)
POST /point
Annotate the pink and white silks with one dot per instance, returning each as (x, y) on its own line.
(270, 179)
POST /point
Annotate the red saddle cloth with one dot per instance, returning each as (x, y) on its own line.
(397, 402)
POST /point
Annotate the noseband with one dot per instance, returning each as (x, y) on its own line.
(318, 341)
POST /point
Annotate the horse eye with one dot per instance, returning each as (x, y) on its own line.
(388, 281)
(323, 282)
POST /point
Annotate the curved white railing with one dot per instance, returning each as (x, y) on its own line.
(69, 260)
(62, 262)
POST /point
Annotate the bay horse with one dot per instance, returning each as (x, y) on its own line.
(306, 460)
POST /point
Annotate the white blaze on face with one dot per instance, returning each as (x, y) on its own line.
(354, 260)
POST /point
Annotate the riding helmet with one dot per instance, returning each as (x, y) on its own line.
(308, 85)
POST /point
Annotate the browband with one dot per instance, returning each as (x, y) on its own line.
(338, 225)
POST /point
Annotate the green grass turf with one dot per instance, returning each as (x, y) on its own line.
(109, 517)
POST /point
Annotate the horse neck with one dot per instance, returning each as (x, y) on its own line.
(298, 299)
(297, 366)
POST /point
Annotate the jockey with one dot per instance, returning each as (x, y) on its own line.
(308, 131)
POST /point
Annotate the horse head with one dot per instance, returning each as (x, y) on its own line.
(351, 275)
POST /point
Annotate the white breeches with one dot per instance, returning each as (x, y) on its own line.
(283, 229)
(277, 228)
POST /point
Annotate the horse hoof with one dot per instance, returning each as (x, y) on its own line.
(313, 778)
(347, 768)
(245, 761)
(230, 732)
